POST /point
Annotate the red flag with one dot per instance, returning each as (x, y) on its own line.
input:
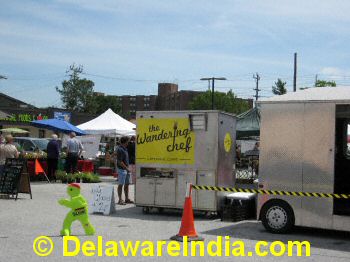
(38, 168)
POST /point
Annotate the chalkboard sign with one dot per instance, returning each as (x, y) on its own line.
(9, 180)
(13, 180)
(17, 162)
(102, 200)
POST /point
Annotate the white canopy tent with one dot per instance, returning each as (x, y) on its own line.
(109, 124)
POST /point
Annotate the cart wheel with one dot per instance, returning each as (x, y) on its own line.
(145, 210)
(277, 217)
(160, 210)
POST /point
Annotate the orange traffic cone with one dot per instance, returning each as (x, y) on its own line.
(187, 221)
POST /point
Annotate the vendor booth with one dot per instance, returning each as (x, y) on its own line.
(248, 124)
(173, 148)
(109, 124)
(248, 132)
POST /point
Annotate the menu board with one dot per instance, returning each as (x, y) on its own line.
(13, 180)
(10, 179)
(102, 199)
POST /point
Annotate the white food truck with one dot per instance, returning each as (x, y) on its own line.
(175, 147)
(303, 148)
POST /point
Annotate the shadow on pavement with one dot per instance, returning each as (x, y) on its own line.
(253, 230)
(154, 215)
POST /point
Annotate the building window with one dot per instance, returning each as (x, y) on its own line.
(132, 98)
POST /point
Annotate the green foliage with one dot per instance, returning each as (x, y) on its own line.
(102, 103)
(77, 177)
(77, 93)
(279, 88)
(324, 83)
(61, 175)
(90, 178)
(227, 102)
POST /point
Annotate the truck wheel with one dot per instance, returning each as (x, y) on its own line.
(277, 217)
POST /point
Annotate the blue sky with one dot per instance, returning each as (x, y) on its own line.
(127, 47)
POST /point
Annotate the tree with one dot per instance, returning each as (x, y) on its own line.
(227, 102)
(102, 103)
(77, 93)
(324, 83)
(279, 88)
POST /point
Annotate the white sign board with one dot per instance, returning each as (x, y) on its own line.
(102, 200)
(90, 145)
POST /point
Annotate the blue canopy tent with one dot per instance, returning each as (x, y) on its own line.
(57, 125)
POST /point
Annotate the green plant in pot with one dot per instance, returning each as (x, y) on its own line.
(78, 177)
(95, 178)
(61, 175)
(87, 177)
(70, 178)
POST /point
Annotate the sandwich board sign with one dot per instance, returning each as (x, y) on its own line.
(13, 180)
(102, 200)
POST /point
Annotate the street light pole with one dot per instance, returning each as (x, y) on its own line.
(212, 87)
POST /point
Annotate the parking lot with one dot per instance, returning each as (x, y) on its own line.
(23, 220)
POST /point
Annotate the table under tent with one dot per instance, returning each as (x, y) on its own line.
(247, 153)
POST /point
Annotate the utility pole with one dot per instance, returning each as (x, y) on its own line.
(295, 73)
(316, 80)
(257, 79)
(212, 87)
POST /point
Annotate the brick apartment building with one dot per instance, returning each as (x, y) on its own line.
(169, 98)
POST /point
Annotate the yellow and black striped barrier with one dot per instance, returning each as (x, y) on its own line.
(270, 192)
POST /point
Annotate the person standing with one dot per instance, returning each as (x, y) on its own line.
(131, 152)
(123, 171)
(74, 150)
(7, 150)
(53, 153)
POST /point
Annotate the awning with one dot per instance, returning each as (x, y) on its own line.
(248, 123)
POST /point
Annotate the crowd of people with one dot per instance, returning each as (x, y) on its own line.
(123, 158)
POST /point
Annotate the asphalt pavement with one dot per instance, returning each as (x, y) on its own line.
(22, 221)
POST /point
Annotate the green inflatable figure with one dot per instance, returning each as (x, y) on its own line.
(79, 211)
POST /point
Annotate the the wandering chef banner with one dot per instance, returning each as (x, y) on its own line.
(165, 141)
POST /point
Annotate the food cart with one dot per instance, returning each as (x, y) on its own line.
(304, 149)
(175, 147)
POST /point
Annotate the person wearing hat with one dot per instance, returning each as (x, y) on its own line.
(7, 150)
